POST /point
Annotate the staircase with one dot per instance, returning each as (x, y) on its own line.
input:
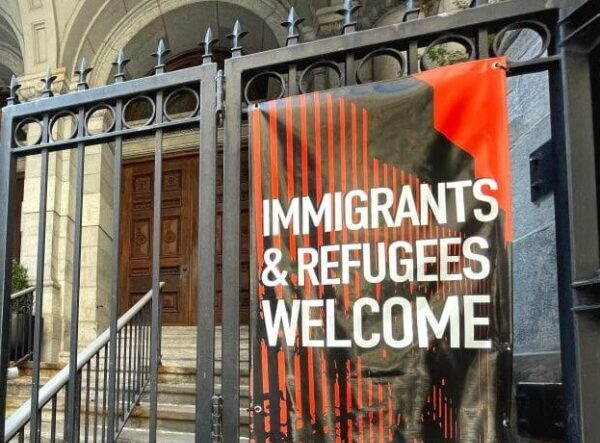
(176, 390)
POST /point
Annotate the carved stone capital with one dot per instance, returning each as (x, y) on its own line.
(32, 86)
(328, 22)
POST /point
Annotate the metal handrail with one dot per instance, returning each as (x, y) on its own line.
(22, 293)
(21, 416)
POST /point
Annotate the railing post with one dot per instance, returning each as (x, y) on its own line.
(7, 186)
(159, 355)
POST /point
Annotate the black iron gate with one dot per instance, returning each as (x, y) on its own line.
(27, 130)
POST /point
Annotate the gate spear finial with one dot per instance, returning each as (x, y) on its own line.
(291, 24)
(48, 80)
(348, 13)
(236, 35)
(160, 54)
(412, 12)
(82, 73)
(119, 65)
(207, 45)
(13, 97)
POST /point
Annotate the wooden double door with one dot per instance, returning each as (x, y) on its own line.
(179, 239)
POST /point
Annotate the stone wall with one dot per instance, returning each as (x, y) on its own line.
(535, 296)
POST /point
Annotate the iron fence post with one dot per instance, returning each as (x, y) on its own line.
(7, 197)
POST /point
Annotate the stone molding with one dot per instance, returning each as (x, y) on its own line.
(32, 86)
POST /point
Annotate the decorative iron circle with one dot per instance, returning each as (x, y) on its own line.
(538, 27)
(391, 52)
(89, 115)
(266, 74)
(130, 107)
(318, 64)
(55, 120)
(173, 99)
(466, 42)
(21, 129)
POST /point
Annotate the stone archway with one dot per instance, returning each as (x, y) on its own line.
(137, 28)
(11, 57)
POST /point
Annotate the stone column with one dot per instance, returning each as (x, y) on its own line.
(96, 234)
(59, 226)
(97, 238)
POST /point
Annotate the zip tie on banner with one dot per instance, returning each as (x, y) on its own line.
(498, 65)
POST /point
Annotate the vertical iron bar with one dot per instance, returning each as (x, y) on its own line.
(231, 257)
(483, 44)
(133, 384)
(146, 345)
(292, 79)
(138, 384)
(413, 57)
(79, 386)
(349, 69)
(205, 336)
(72, 406)
(124, 383)
(105, 429)
(53, 420)
(567, 144)
(143, 351)
(87, 401)
(19, 329)
(96, 391)
(39, 288)
(114, 298)
(115, 405)
(31, 327)
(130, 394)
(159, 355)
(156, 300)
(135, 351)
(24, 324)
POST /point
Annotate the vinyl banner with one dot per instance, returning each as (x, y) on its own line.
(380, 273)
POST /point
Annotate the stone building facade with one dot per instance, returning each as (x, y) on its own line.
(39, 34)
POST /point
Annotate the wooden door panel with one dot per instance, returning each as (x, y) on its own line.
(179, 189)
(178, 247)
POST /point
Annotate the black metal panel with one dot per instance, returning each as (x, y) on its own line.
(541, 171)
(580, 319)
(540, 410)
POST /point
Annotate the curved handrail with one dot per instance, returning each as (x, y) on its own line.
(22, 293)
(21, 416)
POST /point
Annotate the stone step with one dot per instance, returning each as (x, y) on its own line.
(167, 373)
(179, 418)
(185, 394)
(128, 434)
(19, 391)
(187, 374)
(176, 390)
